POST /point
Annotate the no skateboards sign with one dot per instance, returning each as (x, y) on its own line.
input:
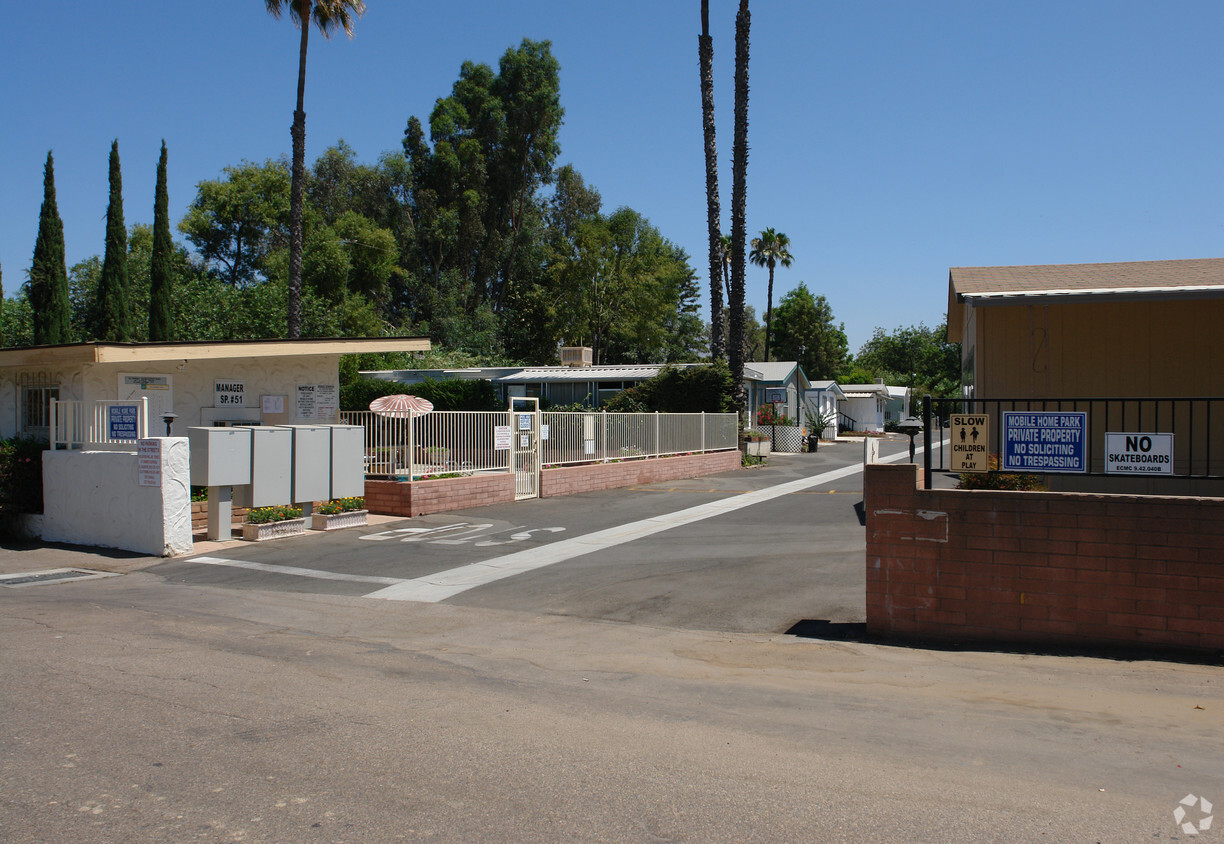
(970, 436)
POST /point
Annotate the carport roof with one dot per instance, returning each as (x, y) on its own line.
(88, 353)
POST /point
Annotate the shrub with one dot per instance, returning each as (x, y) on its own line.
(449, 394)
(694, 389)
(995, 479)
(21, 489)
(275, 513)
(767, 414)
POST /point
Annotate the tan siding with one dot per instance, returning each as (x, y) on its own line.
(1102, 349)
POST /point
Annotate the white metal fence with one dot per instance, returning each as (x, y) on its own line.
(98, 425)
(468, 441)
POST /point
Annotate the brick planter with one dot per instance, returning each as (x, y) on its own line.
(420, 498)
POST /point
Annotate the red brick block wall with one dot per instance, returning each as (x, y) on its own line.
(570, 480)
(1053, 568)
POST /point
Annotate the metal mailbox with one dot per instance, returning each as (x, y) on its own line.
(347, 461)
(311, 462)
(271, 468)
(220, 456)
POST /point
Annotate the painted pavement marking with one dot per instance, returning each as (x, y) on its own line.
(295, 571)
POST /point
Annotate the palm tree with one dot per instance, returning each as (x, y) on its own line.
(768, 250)
(724, 244)
(739, 197)
(705, 56)
(328, 15)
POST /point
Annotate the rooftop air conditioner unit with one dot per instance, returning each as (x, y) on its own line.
(576, 355)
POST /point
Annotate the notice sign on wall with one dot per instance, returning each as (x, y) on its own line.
(1044, 441)
(229, 393)
(970, 443)
(148, 462)
(1139, 454)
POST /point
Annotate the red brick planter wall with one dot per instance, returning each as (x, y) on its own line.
(1055, 568)
(420, 498)
(568, 480)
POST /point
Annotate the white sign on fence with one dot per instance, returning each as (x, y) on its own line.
(501, 437)
(1139, 454)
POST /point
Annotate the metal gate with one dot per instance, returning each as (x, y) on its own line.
(525, 447)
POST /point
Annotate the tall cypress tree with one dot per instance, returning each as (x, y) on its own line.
(161, 320)
(111, 320)
(48, 273)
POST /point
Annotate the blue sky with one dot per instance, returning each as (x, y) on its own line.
(890, 140)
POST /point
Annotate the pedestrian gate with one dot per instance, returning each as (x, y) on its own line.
(525, 436)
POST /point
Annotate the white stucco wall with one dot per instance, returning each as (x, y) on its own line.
(192, 386)
(95, 498)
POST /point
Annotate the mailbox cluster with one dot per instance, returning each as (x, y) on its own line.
(275, 464)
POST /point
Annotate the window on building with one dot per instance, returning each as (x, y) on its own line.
(36, 411)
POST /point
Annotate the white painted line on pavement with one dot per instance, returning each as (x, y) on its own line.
(446, 584)
(294, 570)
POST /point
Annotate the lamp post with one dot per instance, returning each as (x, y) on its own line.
(911, 427)
(168, 417)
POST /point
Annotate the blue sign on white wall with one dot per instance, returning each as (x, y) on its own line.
(1045, 441)
(122, 422)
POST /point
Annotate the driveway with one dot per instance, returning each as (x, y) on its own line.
(747, 551)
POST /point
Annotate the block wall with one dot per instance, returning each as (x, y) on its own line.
(1054, 568)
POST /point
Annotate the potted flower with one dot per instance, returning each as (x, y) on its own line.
(339, 513)
(754, 442)
(275, 522)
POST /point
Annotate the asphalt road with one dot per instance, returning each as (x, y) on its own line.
(756, 569)
(592, 699)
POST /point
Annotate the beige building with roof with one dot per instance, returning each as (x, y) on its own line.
(1134, 329)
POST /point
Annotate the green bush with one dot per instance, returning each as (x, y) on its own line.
(275, 513)
(695, 389)
(448, 394)
(341, 505)
(994, 479)
(21, 489)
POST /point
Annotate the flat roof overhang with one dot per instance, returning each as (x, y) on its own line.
(79, 354)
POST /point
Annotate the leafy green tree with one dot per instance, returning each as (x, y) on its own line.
(739, 199)
(705, 62)
(111, 319)
(494, 142)
(161, 281)
(236, 221)
(48, 281)
(684, 333)
(328, 15)
(769, 250)
(805, 332)
(916, 356)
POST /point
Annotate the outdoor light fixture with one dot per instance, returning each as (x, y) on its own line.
(169, 416)
(911, 427)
